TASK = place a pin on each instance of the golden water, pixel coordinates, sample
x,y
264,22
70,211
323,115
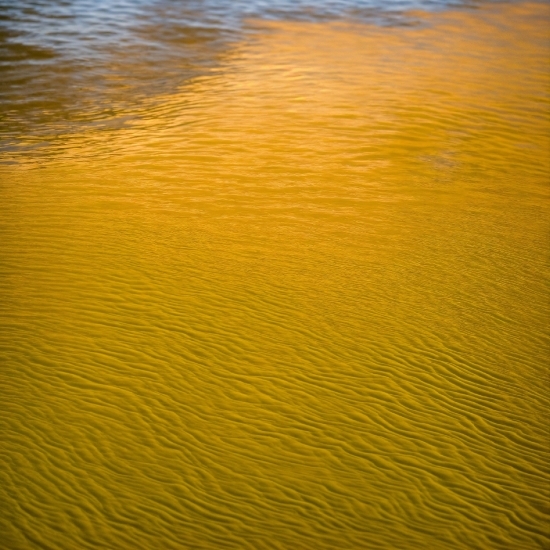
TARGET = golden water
x,y
300,303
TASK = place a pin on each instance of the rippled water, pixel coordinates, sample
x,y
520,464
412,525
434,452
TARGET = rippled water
x,y
70,62
274,277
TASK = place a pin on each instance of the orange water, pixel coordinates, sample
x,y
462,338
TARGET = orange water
x,y
299,303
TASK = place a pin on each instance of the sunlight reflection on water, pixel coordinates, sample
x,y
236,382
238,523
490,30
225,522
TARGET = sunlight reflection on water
x,y
275,284
65,64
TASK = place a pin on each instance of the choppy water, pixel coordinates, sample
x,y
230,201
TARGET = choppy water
x,y
273,277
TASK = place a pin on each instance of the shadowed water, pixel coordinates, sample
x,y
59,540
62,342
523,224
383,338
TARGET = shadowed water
x,y
294,297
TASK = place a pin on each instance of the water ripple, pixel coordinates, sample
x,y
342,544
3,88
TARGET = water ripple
x,y
300,301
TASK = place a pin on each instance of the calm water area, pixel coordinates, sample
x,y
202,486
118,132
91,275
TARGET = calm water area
x,y
274,275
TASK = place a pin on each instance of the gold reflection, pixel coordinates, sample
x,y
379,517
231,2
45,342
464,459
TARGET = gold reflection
x,y
448,85
299,303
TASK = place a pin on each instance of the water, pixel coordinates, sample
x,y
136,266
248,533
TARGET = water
x,y
274,276
67,63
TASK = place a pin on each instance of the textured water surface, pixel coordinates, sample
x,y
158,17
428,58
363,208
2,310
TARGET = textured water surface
x,y
73,62
298,301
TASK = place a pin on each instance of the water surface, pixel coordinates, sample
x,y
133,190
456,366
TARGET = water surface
x,y
297,299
